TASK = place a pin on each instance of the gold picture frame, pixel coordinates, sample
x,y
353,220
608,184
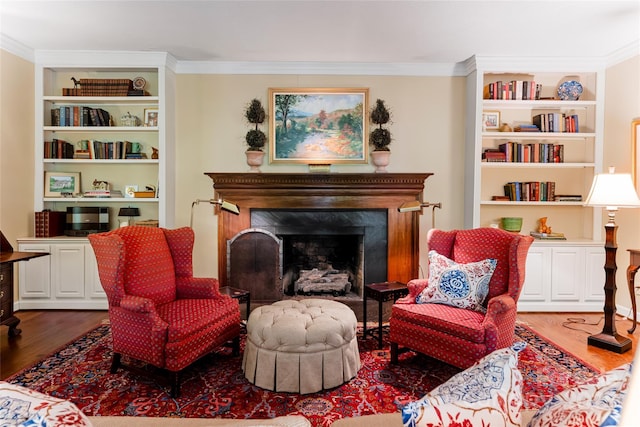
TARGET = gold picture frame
x,y
319,126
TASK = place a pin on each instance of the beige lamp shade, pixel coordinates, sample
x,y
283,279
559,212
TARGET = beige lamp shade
x,y
613,190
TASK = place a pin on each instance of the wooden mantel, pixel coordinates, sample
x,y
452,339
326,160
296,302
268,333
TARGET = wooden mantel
x,y
326,191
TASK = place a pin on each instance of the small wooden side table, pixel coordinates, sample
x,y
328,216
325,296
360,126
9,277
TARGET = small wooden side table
x,y
634,265
381,292
240,294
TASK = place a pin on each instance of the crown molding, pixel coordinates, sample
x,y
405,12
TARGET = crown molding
x,y
533,64
104,59
322,68
626,52
16,48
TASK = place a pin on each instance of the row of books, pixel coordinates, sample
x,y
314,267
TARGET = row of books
x,y
108,150
513,90
556,122
531,191
58,149
79,115
535,152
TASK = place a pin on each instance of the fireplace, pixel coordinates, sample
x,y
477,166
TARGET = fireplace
x,y
303,196
328,244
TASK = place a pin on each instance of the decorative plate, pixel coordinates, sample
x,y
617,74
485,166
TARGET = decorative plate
x,y
570,90
139,83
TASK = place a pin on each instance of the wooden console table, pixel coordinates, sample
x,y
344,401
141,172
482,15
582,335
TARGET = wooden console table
x,y
634,265
7,258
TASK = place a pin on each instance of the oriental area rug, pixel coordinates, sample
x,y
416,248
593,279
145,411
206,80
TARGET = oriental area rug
x,y
216,387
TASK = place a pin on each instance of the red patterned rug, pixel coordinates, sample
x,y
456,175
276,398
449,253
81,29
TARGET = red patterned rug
x,y
215,386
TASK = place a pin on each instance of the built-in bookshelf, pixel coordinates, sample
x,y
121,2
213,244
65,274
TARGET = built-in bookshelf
x,y
93,146
532,153
121,137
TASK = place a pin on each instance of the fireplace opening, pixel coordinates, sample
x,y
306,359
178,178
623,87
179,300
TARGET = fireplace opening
x,y
334,251
322,264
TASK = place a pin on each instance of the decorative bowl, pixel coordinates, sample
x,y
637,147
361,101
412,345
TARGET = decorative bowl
x,y
511,223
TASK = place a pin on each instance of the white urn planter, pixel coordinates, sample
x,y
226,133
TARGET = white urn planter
x,y
380,159
254,160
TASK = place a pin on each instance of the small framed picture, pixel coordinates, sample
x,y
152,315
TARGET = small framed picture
x,y
151,117
490,120
129,190
61,184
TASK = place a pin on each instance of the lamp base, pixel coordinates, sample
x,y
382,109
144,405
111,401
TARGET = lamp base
x,y
616,343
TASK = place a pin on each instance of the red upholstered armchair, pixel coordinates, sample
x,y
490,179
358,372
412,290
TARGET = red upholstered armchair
x,y
461,336
159,312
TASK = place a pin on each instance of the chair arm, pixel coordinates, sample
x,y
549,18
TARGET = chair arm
x,y
415,286
499,322
197,287
137,304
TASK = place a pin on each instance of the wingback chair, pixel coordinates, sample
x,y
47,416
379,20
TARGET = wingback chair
x,y
159,313
462,336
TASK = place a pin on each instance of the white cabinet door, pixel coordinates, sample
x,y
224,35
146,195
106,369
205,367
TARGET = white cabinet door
x,y
92,279
67,270
595,276
33,275
537,281
567,273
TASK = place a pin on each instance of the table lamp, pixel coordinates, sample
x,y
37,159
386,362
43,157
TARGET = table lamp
x,y
611,191
130,213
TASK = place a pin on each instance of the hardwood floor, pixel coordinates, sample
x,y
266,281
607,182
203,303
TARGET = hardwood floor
x,y
43,332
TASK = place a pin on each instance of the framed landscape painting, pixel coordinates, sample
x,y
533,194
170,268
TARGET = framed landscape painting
x,y
318,125
61,184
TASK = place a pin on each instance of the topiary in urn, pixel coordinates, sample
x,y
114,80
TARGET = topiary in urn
x,y
256,115
380,138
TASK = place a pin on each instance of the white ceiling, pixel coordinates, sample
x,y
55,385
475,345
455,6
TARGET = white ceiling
x,y
359,31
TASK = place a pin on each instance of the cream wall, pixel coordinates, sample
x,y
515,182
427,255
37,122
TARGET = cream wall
x,y
427,131
16,146
622,104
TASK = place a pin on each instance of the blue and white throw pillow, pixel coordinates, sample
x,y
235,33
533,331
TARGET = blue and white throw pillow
x,y
489,393
459,285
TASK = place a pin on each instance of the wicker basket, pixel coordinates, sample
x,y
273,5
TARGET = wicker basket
x,y
105,87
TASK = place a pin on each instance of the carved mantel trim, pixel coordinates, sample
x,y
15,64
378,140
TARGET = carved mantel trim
x,y
326,191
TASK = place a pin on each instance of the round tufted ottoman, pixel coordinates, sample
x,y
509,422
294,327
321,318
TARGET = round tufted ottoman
x,y
301,346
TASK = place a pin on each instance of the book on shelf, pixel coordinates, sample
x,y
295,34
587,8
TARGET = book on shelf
x,y
568,198
547,236
50,223
512,90
58,149
530,191
524,127
102,193
79,115
556,122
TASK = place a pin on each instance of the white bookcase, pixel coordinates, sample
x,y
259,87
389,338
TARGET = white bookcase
x,y
559,273
54,71
68,277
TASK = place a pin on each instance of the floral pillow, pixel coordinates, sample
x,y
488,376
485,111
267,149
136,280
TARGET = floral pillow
x,y
20,406
458,285
595,404
489,393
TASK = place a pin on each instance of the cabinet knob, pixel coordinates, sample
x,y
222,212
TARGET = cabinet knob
x,y
1,277
1,294
1,313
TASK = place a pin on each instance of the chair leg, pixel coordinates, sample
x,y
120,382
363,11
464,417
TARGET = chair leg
x,y
235,346
175,384
115,363
394,352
